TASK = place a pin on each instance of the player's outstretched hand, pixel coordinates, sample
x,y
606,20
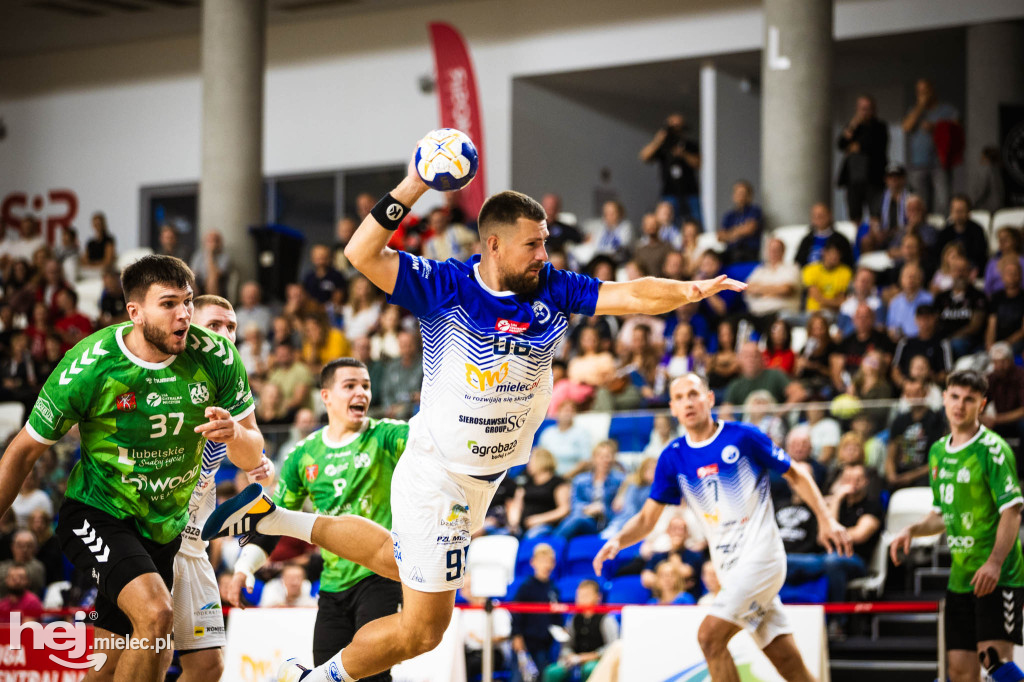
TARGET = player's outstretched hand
x,y
836,539
986,578
263,472
900,543
238,581
610,549
220,428
705,288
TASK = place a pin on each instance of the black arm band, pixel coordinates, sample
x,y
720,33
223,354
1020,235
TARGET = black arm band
x,y
389,212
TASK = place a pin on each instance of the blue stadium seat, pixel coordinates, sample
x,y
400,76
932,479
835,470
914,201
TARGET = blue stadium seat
x,y
540,429
627,590
567,587
810,592
631,431
514,587
621,559
740,271
579,555
314,588
526,551
257,592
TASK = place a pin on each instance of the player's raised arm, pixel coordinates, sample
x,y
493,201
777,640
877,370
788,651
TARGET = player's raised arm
x,y
368,249
656,295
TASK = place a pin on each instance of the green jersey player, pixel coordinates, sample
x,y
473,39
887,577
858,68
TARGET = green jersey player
x,y
977,502
344,468
146,395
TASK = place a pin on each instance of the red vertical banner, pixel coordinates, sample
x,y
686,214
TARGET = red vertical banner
x,y
459,103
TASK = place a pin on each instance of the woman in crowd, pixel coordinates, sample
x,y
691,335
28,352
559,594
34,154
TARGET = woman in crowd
x,y
384,342
812,366
592,494
672,579
362,310
635,490
870,383
943,278
1009,239
541,499
99,251
686,355
778,349
724,364
586,372
759,410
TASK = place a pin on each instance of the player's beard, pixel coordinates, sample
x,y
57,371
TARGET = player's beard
x,y
522,283
162,340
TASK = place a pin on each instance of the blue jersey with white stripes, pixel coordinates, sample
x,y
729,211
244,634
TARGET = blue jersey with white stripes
x,y
486,357
203,500
725,482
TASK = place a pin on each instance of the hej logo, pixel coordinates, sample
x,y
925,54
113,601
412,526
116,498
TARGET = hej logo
x,y
59,636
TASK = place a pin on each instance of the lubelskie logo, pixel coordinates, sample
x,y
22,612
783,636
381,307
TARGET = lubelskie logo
x,y
59,636
126,402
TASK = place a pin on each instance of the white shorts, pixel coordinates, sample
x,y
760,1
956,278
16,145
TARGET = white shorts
x,y
749,598
434,513
198,619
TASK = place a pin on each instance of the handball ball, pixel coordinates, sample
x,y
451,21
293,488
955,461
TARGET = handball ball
x,y
845,406
446,160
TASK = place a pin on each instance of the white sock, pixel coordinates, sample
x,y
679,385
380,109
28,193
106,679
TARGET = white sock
x,y
325,672
287,522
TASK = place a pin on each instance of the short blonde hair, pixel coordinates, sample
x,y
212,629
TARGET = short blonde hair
x,y
543,549
545,459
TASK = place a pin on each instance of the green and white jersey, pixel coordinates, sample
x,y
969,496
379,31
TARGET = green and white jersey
x,y
348,477
972,484
141,456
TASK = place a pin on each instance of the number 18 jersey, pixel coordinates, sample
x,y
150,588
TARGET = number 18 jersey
x,y
141,457
972,484
486,357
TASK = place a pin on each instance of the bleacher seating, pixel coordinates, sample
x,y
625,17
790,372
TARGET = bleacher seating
x,y
626,590
567,587
578,558
810,592
525,551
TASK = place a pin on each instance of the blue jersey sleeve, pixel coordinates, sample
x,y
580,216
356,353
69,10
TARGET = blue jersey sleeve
x,y
572,292
762,450
665,488
423,285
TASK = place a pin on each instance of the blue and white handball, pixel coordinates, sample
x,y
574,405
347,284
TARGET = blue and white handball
x,y
446,160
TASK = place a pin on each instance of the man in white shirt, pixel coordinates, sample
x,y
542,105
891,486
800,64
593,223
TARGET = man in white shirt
x,y
569,444
774,286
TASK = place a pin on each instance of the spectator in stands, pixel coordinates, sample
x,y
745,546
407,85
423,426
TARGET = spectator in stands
x,y
254,350
560,234
754,376
17,597
400,392
827,280
541,499
870,383
917,222
892,212
690,247
40,326
592,494
322,343
742,226
53,348
820,231
616,236
292,378
825,433
650,249
1006,310
712,586
27,240
773,288
672,580
384,340
270,406
68,253
450,239
921,370
864,338
929,163
71,324
1005,415
30,499
865,142
910,438
778,349
943,278
926,342
687,354
23,553
51,284
569,443
724,366
760,410
961,229
531,635
18,379
798,528
962,311
169,243
363,308
862,292
722,305
343,231
988,192
668,231
678,159
1009,251
911,250
813,365
112,305
40,522
99,251
901,319
474,625
322,278
289,590
590,635
590,369
664,432
632,494
860,512
251,309
212,265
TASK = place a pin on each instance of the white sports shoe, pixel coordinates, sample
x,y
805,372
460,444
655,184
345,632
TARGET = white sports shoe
x,y
291,671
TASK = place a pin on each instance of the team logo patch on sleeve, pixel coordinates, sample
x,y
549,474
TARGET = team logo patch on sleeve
x,y
126,402
311,472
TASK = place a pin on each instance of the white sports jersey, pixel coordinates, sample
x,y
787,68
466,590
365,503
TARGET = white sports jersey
x,y
203,500
486,357
725,481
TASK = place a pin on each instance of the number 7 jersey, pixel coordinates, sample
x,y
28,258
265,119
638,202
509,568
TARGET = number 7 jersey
x,y
141,456
972,485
